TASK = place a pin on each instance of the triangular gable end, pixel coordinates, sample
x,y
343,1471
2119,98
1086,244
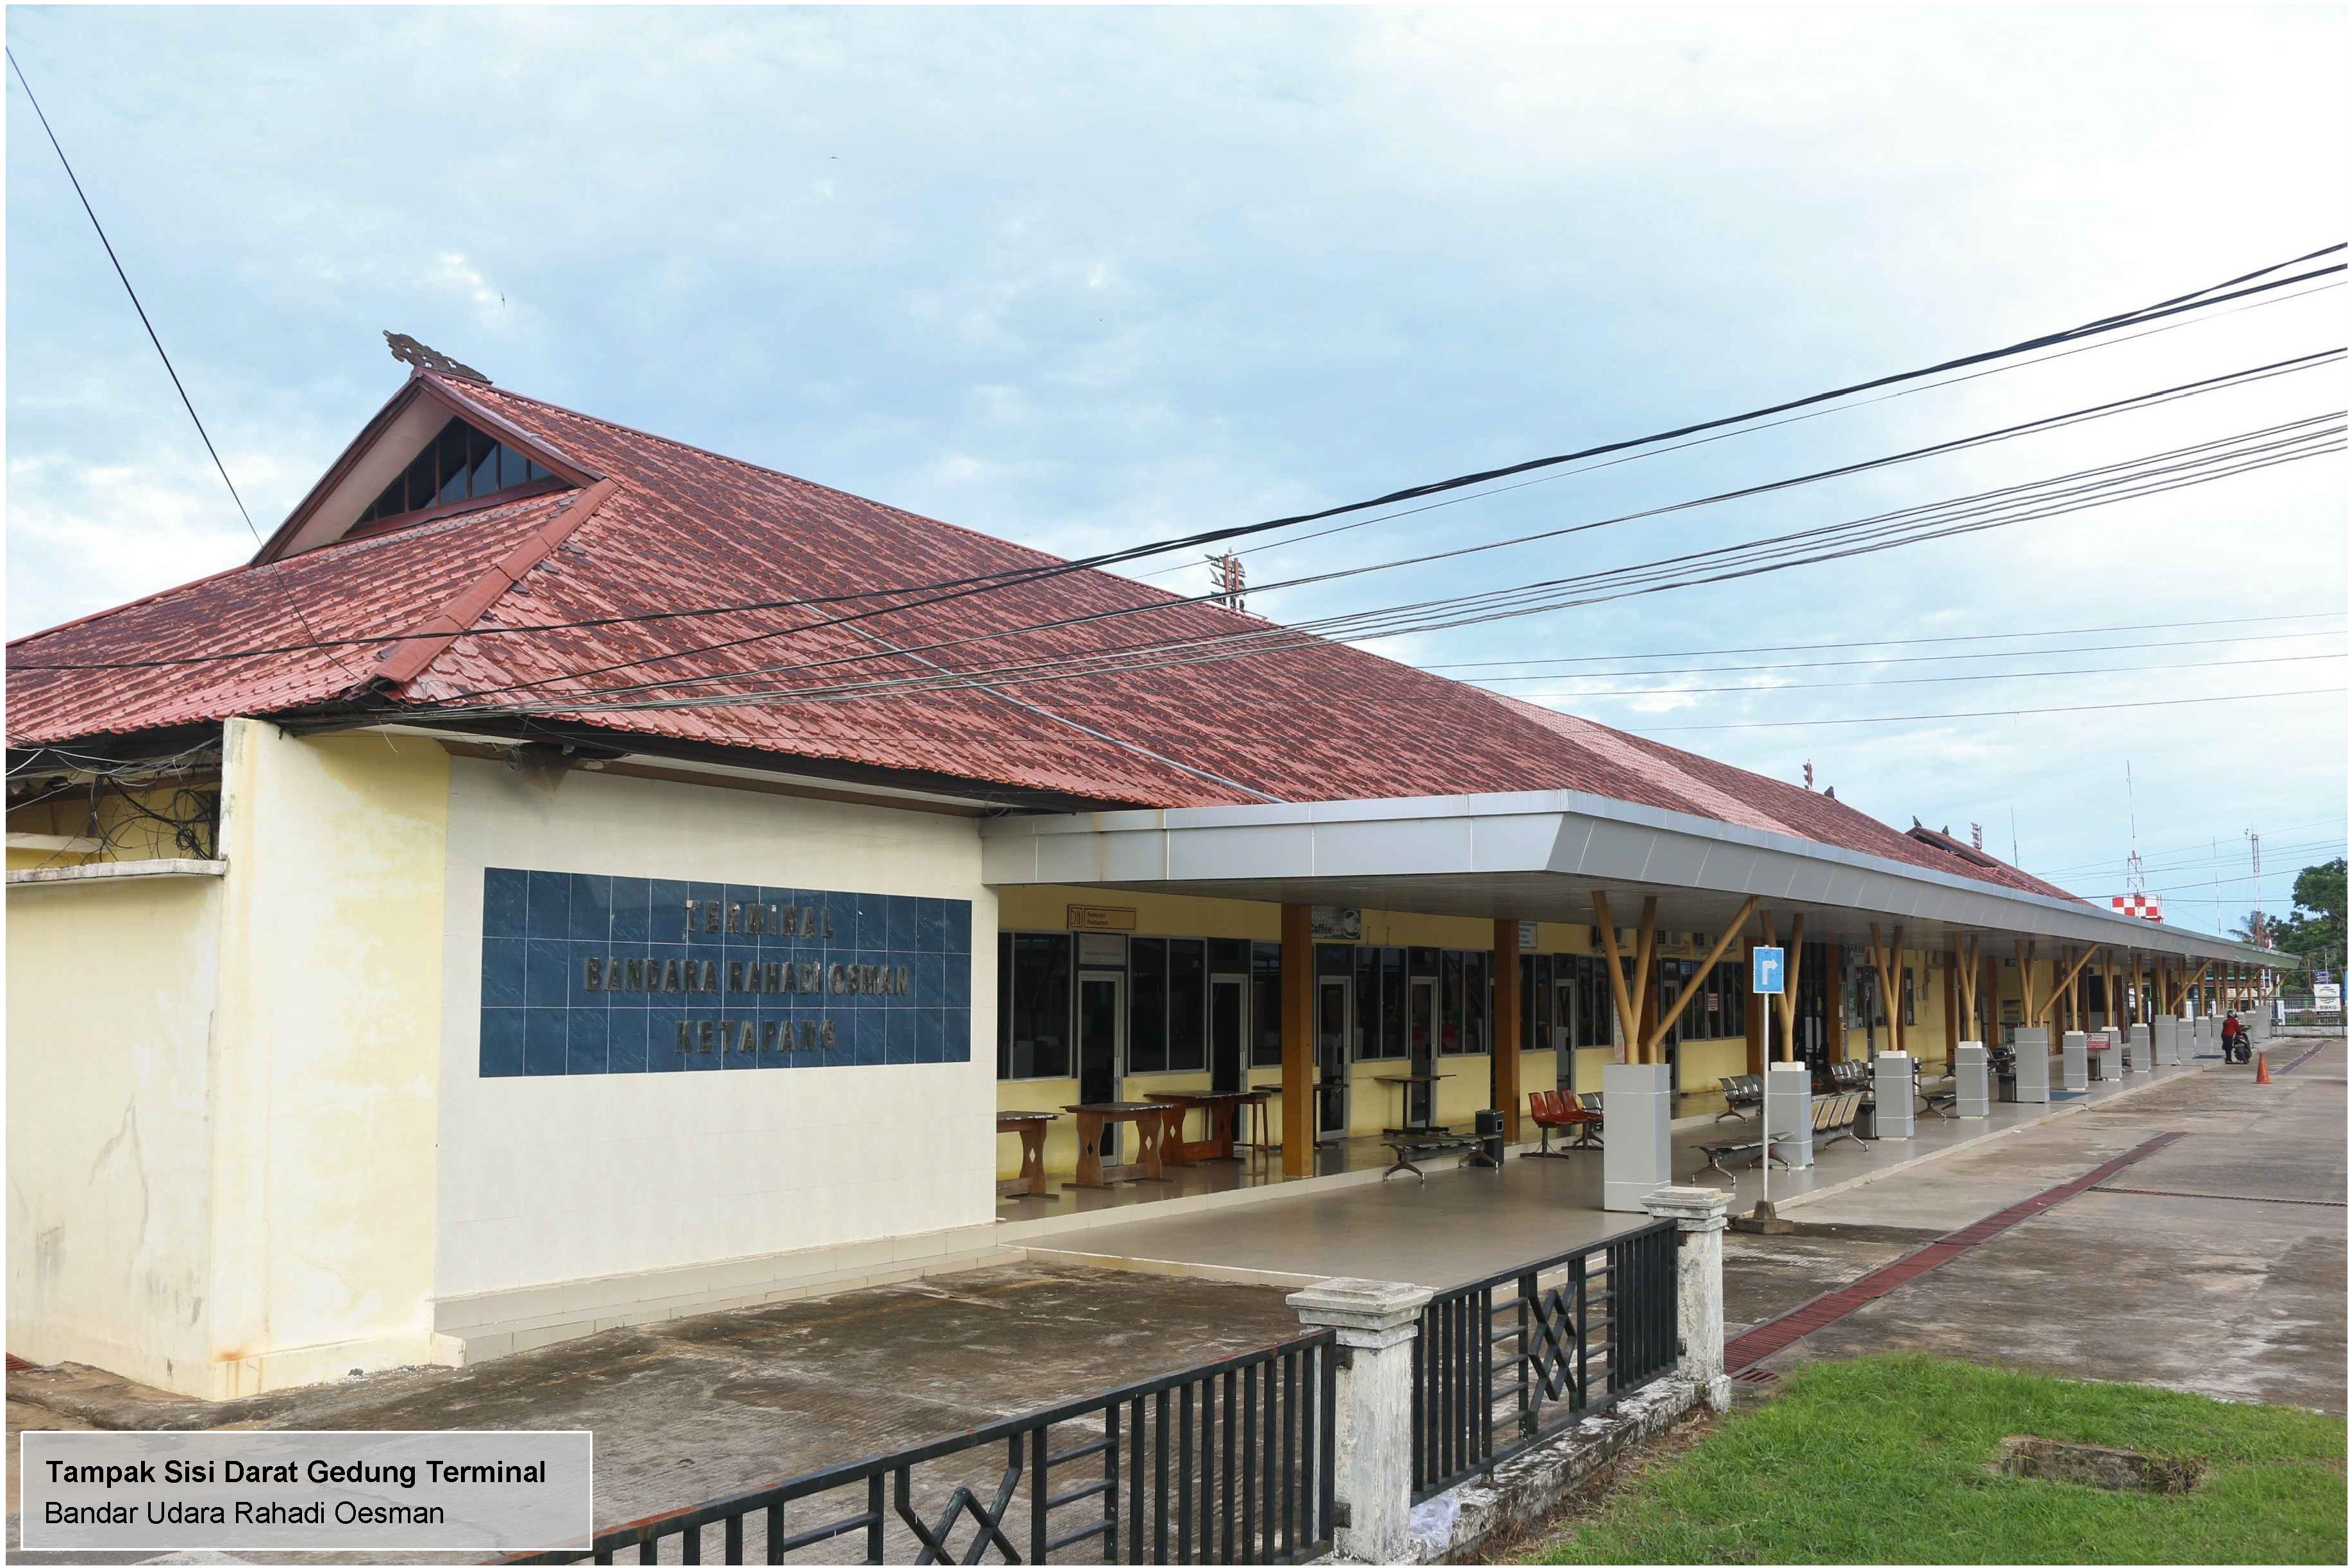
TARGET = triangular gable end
x,y
429,451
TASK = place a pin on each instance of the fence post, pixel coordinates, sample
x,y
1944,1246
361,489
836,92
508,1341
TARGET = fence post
x,y
1376,1321
1697,1213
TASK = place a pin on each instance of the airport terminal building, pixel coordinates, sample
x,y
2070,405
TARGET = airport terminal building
x,y
568,875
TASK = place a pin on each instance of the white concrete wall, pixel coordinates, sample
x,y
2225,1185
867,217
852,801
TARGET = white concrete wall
x,y
548,1179
111,989
326,1055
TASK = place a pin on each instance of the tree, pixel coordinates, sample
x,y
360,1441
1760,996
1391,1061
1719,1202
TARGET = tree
x,y
2315,931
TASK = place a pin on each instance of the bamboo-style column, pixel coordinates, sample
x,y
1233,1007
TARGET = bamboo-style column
x,y
1784,1005
1629,1017
1655,1044
2064,986
1884,960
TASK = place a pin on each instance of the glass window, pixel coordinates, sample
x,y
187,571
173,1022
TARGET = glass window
x,y
1364,1044
1187,1006
1535,1002
459,463
1449,1004
449,467
1227,956
1266,1003
1392,1041
1034,1006
1147,1004
1476,1000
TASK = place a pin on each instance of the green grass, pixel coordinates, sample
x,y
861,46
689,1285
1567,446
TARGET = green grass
x,y
1886,1460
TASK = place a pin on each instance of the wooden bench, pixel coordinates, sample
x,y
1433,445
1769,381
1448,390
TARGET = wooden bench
x,y
1405,1147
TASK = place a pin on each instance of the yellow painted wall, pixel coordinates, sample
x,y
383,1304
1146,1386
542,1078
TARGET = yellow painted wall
x,y
328,1055
1371,1105
111,989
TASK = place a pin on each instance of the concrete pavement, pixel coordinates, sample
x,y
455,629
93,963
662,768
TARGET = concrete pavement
x,y
2217,1264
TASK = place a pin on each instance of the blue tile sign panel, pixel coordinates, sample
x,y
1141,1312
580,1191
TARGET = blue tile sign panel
x,y
622,974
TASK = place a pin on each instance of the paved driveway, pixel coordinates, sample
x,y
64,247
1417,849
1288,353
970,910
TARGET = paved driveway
x,y
2217,1264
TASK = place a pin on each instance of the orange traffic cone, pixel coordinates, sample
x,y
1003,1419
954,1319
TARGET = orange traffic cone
x,y
2263,1068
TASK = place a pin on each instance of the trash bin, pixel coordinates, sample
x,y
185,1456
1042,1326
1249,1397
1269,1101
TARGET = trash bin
x,y
1490,1138
1865,1120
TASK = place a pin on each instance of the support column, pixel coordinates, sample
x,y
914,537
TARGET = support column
x,y
1297,1040
1377,1322
1504,1032
1892,1094
2033,1065
1971,1080
1697,1213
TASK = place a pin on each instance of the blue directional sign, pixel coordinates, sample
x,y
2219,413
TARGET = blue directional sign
x,y
1768,978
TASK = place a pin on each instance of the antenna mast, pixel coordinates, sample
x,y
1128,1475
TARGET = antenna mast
x,y
2255,847
1226,581
2135,876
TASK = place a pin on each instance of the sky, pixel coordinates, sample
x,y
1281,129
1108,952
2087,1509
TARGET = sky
x,y
1081,277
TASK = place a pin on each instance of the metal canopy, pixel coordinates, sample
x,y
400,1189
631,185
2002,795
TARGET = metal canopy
x,y
1539,856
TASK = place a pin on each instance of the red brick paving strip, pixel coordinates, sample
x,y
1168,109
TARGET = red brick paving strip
x,y
1778,1333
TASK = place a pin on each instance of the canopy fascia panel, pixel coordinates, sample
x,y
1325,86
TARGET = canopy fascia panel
x,y
1539,855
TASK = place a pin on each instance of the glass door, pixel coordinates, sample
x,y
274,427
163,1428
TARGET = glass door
x,y
1568,1024
1226,1017
1330,1059
1102,1016
1421,1036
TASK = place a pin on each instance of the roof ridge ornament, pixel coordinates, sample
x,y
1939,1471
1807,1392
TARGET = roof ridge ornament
x,y
409,351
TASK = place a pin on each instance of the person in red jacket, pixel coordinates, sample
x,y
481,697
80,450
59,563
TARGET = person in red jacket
x,y
2233,1039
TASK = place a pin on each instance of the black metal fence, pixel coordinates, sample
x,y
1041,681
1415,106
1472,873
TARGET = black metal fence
x,y
1505,1362
1230,1462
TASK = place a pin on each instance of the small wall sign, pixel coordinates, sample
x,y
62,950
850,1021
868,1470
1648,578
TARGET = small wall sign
x,y
1100,917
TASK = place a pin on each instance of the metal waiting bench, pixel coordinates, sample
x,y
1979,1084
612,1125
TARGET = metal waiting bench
x,y
1834,1118
1742,1093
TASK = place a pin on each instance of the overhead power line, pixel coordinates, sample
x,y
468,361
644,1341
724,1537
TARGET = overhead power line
x,y
1630,691
1900,641
2242,286
169,369
1152,606
1881,660
1988,713
1755,429
2157,472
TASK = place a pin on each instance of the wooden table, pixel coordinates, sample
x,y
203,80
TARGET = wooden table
x,y
1031,1125
1220,1105
1149,1120
1404,1083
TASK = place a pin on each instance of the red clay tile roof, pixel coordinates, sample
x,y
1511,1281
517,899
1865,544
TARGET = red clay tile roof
x,y
681,526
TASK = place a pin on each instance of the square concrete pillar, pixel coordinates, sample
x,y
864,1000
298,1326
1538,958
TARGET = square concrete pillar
x,y
2138,1049
1972,1080
2074,1060
2106,1064
1788,1111
1697,1213
1378,1321
2034,1066
1891,1097
2205,1041
2165,1034
1637,1114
